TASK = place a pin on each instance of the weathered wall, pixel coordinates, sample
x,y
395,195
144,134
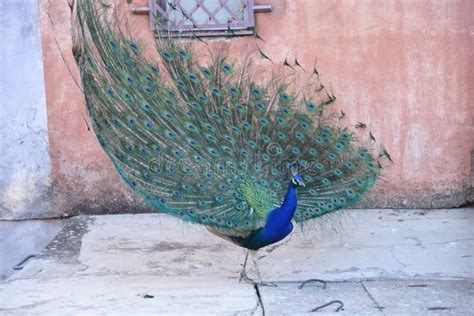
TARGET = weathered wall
x,y
404,67
25,163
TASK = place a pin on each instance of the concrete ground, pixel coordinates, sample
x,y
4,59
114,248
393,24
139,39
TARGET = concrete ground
x,y
374,262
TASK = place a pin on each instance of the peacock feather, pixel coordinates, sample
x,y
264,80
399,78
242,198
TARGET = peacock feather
x,y
214,143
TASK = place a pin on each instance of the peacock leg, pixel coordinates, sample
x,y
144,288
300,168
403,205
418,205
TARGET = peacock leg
x,y
257,269
243,273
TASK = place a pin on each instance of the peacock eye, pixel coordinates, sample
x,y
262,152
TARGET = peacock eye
x,y
294,181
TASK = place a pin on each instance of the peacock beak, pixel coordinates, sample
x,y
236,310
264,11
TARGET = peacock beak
x,y
302,184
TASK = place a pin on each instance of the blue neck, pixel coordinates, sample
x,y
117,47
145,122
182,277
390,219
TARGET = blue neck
x,y
281,217
278,224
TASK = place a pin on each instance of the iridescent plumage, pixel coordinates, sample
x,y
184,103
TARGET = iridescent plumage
x,y
209,142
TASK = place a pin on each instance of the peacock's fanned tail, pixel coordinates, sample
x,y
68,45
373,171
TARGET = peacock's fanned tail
x,y
213,144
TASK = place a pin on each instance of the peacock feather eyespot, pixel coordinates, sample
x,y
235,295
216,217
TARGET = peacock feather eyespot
x,y
147,106
339,146
321,204
191,142
349,165
247,126
133,183
170,134
193,78
191,127
276,184
280,120
281,135
213,152
275,172
245,153
235,130
148,124
259,106
196,106
177,153
252,144
241,108
210,138
226,111
257,168
227,68
266,139
210,127
256,92
295,150
168,102
131,121
311,106
226,149
285,97
319,140
186,187
208,175
134,46
167,56
177,194
234,91
229,223
183,54
312,192
150,79
304,125
229,138
219,198
143,151
243,165
182,84
312,151
266,157
307,178
338,172
326,181
332,156
203,99
299,136
285,110
206,72
200,186
154,69
216,92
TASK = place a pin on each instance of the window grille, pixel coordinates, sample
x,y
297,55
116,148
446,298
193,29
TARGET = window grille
x,y
204,17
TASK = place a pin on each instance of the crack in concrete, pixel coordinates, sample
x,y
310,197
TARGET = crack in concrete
x,y
396,258
377,305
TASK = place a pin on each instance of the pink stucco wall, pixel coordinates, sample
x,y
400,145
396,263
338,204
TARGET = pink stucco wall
x,y
404,67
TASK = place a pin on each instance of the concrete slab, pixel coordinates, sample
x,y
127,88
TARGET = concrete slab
x,y
19,239
399,297
289,299
106,264
365,244
127,295
446,297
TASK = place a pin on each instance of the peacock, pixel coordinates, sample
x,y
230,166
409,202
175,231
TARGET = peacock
x,y
245,150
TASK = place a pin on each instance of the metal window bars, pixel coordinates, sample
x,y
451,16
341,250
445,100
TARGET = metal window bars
x,y
203,17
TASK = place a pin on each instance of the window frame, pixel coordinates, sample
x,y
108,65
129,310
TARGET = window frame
x,y
245,27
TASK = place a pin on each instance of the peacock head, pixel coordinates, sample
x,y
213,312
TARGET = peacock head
x,y
297,181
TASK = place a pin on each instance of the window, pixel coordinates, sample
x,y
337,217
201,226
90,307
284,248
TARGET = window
x,y
205,17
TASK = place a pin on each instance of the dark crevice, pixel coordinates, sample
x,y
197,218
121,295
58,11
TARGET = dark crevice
x,y
260,300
